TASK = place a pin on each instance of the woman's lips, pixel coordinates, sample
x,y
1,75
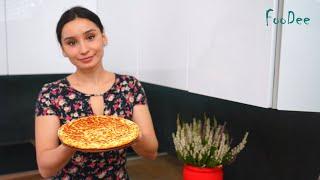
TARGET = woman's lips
x,y
86,59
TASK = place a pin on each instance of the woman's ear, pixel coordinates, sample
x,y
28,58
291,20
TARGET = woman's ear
x,y
105,39
63,52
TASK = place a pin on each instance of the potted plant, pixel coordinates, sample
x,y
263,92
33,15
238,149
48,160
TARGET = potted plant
x,y
204,147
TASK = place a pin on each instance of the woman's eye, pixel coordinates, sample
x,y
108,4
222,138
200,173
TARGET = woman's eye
x,y
71,43
91,37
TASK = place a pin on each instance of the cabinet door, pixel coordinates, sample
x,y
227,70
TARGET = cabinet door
x,y
3,48
119,19
32,44
231,50
299,77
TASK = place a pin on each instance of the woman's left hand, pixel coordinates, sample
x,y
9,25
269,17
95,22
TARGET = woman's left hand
x,y
146,144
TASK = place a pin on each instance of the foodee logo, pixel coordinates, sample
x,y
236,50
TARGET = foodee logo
x,y
291,18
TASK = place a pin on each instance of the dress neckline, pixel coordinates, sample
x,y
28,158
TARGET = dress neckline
x,y
89,95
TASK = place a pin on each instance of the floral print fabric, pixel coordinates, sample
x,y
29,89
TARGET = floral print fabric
x,y
60,99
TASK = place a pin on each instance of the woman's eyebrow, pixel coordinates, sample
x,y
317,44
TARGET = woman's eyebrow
x,y
71,37
90,30
67,38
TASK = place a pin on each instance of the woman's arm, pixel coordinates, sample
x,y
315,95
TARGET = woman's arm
x,y
51,157
147,143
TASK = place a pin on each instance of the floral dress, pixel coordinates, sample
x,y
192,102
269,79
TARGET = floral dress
x,y
60,99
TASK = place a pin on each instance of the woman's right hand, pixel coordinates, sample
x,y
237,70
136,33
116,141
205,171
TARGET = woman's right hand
x,y
51,156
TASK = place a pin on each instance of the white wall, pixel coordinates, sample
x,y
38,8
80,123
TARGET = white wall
x,y
3,48
216,48
231,50
32,45
119,20
147,39
299,82
164,49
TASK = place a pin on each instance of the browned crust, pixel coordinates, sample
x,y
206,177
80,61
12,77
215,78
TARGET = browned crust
x,y
98,133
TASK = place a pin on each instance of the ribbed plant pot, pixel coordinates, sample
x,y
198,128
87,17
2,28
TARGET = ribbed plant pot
x,y
199,173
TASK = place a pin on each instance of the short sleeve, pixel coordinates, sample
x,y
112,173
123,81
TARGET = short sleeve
x,y
44,103
139,93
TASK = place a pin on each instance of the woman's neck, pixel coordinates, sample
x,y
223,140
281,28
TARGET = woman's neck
x,y
92,76
92,82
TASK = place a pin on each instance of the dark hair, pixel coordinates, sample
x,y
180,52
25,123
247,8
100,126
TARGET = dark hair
x,y
77,12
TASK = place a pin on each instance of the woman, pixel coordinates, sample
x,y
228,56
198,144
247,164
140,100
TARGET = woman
x,y
91,90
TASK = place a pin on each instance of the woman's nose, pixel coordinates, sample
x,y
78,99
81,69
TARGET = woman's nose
x,y
83,48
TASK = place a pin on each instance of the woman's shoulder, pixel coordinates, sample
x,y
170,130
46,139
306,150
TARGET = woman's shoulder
x,y
124,78
58,84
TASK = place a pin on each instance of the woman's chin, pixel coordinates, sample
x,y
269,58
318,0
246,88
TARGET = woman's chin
x,y
89,66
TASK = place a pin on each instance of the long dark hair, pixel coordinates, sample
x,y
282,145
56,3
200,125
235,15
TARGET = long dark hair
x,y
77,12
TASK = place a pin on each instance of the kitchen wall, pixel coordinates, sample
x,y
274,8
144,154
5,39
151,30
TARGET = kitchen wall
x,y
281,144
250,52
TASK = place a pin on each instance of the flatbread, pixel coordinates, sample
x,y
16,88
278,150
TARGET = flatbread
x,y
98,133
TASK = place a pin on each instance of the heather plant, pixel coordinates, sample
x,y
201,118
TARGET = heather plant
x,y
205,143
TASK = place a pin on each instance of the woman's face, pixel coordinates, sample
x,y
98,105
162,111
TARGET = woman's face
x,y
83,42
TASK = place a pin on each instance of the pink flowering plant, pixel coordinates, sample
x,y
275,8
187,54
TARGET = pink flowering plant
x,y
205,143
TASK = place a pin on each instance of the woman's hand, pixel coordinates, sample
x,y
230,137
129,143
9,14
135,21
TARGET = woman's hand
x,y
146,144
51,157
